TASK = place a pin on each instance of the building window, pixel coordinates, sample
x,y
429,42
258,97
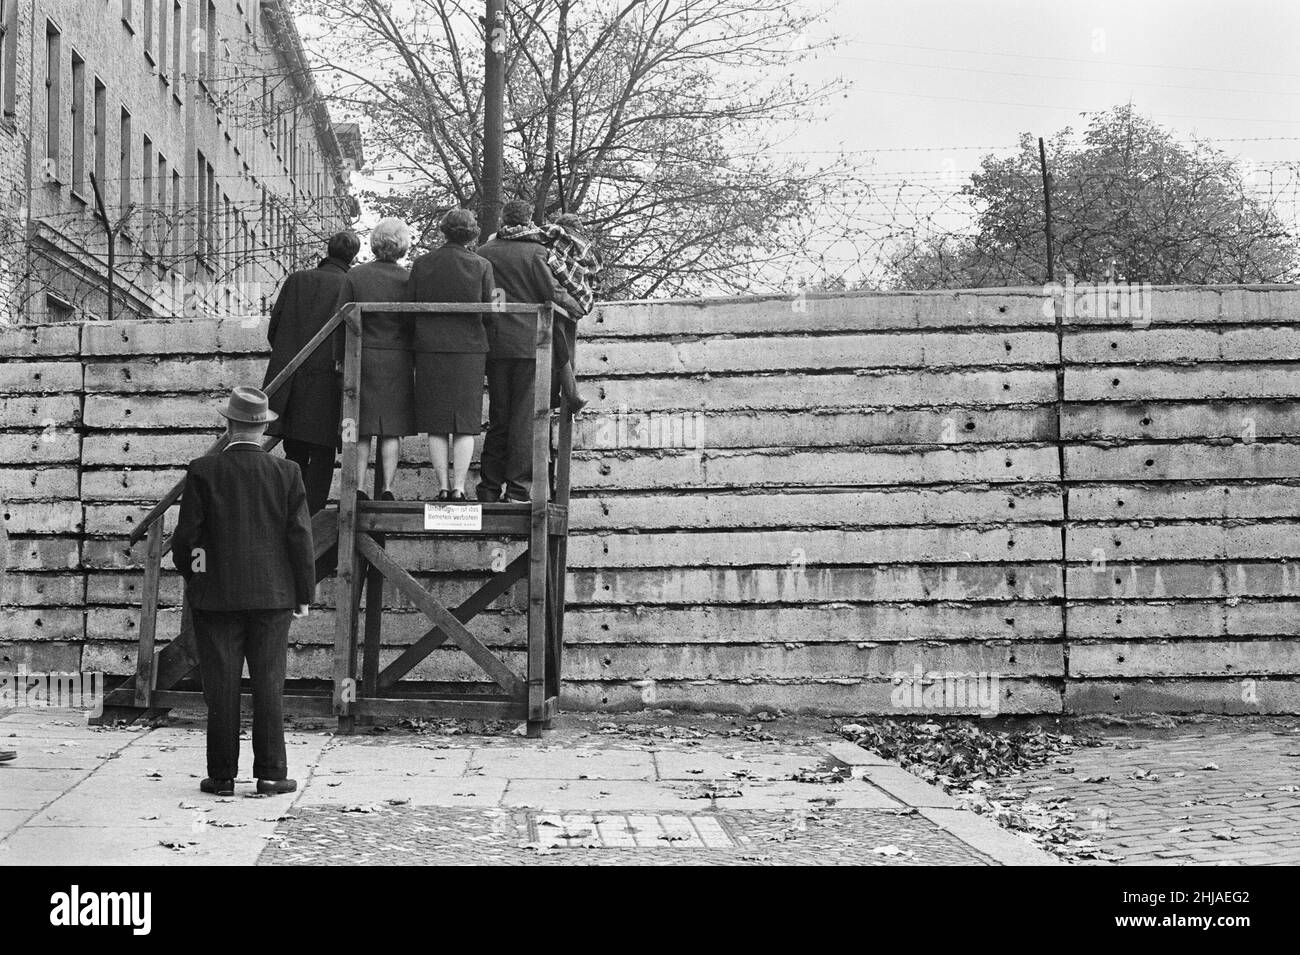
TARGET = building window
x,y
53,96
78,123
100,132
162,216
126,14
8,56
125,153
163,7
178,47
146,188
147,25
59,309
176,214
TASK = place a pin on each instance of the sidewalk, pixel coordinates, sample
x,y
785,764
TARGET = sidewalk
x,y
599,790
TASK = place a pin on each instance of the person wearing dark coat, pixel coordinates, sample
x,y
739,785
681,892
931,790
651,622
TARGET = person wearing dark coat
x,y
243,545
387,384
518,255
308,403
451,351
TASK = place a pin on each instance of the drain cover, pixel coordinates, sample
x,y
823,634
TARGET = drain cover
x,y
627,831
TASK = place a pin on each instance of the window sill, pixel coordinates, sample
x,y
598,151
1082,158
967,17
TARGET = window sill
x,y
130,27
148,55
76,194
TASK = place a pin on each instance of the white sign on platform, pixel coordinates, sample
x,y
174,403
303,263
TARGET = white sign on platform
x,y
453,517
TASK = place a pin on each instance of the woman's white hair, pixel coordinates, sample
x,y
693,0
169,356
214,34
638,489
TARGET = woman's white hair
x,y
390,239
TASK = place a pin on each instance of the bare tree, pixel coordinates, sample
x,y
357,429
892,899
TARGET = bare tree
x,y
661,113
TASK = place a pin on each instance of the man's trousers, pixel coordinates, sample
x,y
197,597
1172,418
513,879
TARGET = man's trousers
x,y
316,461
507,457
225,640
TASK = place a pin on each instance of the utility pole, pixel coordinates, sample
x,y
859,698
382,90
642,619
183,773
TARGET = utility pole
x,y
1047,205
494,91
111,229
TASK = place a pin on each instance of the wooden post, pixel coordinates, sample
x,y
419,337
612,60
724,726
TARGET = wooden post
x,y
374,601
563,453
540,525
345,609
144,661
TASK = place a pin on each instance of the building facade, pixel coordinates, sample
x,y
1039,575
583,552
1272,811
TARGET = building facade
x,y
184,140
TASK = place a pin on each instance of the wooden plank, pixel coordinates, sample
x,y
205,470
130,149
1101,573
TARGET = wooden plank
x,y
153,556
471,607
439,614
345,621
540,527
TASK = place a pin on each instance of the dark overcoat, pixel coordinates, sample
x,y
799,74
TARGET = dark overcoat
x,y
451,273
519,269
243,538
387,382
308,403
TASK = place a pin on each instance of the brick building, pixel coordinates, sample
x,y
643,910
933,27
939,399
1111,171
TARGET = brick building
x,y
218,167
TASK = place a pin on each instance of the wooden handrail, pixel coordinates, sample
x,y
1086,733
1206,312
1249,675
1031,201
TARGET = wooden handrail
x,y
326,330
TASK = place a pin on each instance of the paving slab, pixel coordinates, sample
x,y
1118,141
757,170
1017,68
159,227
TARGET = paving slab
x,y
564,763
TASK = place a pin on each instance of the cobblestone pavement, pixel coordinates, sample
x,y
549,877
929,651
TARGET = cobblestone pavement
x,y
1209,791
650,789
426,835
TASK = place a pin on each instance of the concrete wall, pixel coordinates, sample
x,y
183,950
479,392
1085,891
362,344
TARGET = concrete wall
x,y
782,503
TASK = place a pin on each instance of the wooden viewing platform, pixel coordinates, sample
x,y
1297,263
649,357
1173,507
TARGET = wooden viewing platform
x,y
350,545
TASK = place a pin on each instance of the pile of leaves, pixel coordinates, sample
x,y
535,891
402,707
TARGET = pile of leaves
x,y
976,763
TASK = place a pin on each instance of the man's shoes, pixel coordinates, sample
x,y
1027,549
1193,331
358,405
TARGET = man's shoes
x,y
276,787
387,496
487,495
218,787
7,755
508,499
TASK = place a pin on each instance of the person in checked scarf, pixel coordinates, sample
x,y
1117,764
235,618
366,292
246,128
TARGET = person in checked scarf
x,y
575,263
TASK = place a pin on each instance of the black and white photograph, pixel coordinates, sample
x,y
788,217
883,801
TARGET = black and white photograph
x,y
646,433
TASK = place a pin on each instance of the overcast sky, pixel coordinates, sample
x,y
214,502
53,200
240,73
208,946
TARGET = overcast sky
x,y
978,72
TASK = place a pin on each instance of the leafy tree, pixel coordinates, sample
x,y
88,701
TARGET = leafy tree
x,y
1129,201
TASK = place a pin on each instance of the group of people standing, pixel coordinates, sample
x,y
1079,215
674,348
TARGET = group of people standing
x,y
424,374
243,539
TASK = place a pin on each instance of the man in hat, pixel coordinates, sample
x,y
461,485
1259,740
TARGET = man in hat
x,y
243,544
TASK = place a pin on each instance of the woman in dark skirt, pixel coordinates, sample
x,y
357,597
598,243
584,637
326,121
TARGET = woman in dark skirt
x,y
386,379
451,351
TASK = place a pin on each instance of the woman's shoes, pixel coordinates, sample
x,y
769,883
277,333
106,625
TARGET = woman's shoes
x,y
458,497
443,497
388,496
